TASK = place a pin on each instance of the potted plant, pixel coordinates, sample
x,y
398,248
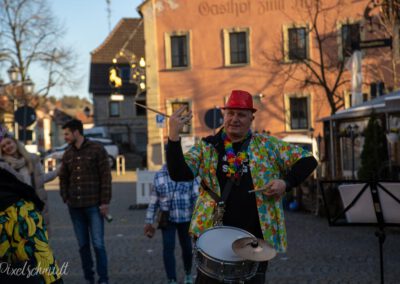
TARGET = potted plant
x,y
374,155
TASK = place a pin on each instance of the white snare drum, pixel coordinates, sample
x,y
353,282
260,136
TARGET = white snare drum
x,y
215,257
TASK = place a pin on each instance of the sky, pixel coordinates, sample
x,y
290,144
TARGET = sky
x,y
86,23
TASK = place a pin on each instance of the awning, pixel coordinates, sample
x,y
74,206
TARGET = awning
x,y
383,104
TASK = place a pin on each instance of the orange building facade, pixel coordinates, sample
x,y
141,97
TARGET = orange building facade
x,y
198,51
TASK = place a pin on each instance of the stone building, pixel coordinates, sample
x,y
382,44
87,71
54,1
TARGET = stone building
x,y
114,106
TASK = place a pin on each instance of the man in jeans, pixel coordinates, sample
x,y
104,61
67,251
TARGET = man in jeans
x,y
85,186
178,199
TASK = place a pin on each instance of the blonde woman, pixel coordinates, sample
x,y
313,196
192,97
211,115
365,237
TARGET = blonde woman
x,y
28,167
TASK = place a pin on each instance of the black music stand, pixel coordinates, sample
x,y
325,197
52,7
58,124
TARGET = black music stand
x,y
378,207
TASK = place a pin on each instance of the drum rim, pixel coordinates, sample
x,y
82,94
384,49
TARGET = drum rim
x,y
229,227
197,248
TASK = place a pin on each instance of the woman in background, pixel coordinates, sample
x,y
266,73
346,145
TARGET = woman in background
x,y
27,166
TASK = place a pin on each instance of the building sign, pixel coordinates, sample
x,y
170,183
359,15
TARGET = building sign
x,y
247,7
160,121
25,116
385,42
117,97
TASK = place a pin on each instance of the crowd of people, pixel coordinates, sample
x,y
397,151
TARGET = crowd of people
x,y
235,178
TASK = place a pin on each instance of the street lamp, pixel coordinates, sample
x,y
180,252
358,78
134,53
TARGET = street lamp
x,y
16,90
352,132
139,73
28,86
13,73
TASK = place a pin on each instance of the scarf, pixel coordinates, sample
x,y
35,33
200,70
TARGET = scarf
x,y
20,165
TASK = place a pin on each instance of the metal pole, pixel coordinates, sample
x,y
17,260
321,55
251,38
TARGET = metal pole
x,y
214,119
332,149
162,146
16,134
24,124
352,152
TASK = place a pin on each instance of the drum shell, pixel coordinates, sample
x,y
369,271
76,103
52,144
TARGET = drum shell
x,y
226,270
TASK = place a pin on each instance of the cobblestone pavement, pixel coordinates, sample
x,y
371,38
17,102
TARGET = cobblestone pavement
x,y
317,253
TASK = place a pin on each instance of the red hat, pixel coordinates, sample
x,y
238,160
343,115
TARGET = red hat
x,y
240,100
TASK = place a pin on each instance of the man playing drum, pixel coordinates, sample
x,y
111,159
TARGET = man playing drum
x,y
238,160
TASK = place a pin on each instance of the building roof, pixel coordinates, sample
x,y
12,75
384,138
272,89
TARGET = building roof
x,y
382,104
127,35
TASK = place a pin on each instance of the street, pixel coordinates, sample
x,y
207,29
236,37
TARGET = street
x,y
316,253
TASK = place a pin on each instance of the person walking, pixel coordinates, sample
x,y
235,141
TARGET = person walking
x,y
236,160
85,186
175,201
29,167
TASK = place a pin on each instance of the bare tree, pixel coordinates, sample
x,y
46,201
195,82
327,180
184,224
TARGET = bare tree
x,y
324,70
31,36
386,14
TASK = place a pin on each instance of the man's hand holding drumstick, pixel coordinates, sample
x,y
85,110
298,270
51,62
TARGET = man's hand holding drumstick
x,y
176,122
275,188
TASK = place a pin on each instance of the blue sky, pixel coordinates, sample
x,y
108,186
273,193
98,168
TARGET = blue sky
x,y
87,26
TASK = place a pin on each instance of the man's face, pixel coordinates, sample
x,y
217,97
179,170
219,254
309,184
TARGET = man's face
x,y
69,136
237,122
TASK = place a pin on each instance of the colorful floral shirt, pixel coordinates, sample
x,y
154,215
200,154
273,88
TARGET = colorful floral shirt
x,y
270,158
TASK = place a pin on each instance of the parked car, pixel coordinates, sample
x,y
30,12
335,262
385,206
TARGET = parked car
x,y
110,147
97,132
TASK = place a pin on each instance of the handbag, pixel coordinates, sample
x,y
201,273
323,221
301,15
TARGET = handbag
x,y
163,219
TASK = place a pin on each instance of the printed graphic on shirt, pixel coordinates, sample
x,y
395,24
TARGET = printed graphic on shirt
x,y
225,165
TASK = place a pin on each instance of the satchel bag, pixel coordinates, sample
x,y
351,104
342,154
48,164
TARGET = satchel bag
x,y
163,219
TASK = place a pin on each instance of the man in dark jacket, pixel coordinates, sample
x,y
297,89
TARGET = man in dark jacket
x,y
85,186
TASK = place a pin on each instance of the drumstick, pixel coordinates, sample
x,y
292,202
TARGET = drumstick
x,y
260,189
156,111
152,109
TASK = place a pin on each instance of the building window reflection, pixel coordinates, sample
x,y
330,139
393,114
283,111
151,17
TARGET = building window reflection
x,y
350,37
238,47
297,43
299,113
179,51
114,109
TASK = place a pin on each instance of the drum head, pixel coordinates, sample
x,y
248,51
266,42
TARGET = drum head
x,y
217,242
